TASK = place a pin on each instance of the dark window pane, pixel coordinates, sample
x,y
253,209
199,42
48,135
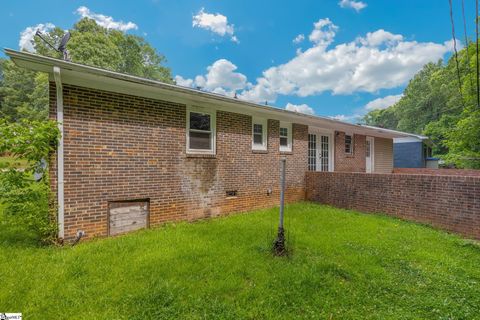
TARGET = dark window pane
x,y
284,141
199,121
257,128
312,152
348,144
200,141
257,139
283,132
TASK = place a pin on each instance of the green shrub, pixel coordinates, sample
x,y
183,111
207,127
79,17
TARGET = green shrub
x,y
26,201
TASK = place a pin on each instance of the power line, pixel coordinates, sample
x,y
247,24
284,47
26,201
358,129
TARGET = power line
x,y
476,38
455,49
469,71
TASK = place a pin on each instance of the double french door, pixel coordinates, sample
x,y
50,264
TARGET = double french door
x,y
320,152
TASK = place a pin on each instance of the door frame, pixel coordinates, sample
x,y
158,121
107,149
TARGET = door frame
x,y
331,145
372,154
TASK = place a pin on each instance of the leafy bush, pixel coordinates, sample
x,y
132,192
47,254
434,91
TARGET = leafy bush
x,y
26,201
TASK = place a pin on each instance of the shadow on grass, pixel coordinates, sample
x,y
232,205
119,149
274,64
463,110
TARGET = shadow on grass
x,y
15,236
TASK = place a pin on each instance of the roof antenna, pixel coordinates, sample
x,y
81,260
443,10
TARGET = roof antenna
x,y
62,47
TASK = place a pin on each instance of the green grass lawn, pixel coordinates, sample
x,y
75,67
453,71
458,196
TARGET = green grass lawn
x,y
344,265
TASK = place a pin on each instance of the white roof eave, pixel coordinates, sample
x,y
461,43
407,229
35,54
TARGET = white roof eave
x,y
45,64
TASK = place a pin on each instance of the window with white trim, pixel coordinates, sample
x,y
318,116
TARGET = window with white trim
x,y
285,137
348,144
200,131
324,153
312,152
259,134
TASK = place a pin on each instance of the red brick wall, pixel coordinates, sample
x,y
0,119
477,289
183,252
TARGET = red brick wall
x,y
354,162
438,172
121,147
448,202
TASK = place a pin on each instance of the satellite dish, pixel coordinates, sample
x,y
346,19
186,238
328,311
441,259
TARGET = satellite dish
x,y
62,47
40,170
63,43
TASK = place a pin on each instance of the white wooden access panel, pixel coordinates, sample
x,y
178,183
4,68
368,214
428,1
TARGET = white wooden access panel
x,y
320,150
126,216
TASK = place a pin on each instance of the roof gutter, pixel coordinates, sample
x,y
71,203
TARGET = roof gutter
x,y
44,64
60,154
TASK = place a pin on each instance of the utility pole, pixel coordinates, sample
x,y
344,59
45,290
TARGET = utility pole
x,y
279,244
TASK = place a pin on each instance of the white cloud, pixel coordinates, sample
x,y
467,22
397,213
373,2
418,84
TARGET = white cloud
x,y
26,36
348,118
382,103
299,38
356,5
323,33
222,74
302,108
259,93
376,104
379,60
380,37
220,78
215,22
179,80
106,21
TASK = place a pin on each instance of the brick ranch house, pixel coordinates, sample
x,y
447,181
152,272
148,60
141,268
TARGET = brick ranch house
x,y
136,152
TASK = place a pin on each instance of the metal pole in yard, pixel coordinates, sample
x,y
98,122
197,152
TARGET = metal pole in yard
x,y
279,244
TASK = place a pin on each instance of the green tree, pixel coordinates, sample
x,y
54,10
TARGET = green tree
x,y
463,140
383,118
423,100
434,104
24,94
24,201
114,50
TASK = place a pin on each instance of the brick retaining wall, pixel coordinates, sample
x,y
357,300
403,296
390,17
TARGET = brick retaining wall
x,y
438,172
448,202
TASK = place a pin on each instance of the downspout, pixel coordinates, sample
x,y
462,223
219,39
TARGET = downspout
x,y
60,168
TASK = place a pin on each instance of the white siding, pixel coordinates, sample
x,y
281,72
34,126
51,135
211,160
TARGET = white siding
x,y
383,150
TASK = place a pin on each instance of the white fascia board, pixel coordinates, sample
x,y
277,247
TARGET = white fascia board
x,y
400,133
407,140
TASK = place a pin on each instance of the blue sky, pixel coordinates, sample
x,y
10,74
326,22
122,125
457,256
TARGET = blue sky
x,y
353,56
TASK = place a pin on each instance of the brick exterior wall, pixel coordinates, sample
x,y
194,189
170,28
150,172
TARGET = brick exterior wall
x,y
448,202
354,162
439,172
121,147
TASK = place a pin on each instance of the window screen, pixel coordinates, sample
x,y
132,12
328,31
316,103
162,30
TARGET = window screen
x,y
200,131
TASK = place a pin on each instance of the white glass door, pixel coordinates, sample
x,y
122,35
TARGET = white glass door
x,y
319,152
324,153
